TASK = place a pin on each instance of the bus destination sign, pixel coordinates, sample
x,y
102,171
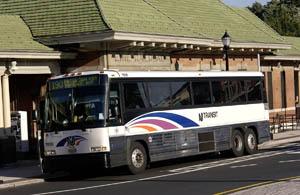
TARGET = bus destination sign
x,y
74,82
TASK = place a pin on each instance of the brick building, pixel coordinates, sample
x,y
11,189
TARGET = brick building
x,y
281,70
282,78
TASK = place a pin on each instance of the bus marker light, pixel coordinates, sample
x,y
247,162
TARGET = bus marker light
x,y
99,149
50,152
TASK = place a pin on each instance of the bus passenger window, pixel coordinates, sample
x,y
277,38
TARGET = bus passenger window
x,y
237,91
254,90
181,95
159,94
135,95
201,92
220,92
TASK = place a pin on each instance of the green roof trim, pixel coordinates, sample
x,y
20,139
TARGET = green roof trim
x,y
16,36
56,17
295,51
203,19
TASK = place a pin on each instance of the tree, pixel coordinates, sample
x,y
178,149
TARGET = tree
x,y
281,15
257,9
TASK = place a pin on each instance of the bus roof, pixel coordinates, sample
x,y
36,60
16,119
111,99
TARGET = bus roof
x,y
164,74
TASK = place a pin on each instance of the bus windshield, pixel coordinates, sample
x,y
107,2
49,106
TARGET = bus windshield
x,y
78,107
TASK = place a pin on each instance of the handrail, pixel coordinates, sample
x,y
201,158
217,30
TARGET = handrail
x,y
283,122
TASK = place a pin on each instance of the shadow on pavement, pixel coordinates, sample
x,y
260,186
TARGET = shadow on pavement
x,y
89,174
100,174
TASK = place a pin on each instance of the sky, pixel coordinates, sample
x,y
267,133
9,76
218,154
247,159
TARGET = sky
x,y
243,3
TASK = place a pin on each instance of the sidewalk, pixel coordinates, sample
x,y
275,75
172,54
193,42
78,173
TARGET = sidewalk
x,y
20,173
279,188
282,138
29,172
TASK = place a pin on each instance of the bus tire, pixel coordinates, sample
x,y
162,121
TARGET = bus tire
x,y
45,166
250,142
237,142
46,170
137,158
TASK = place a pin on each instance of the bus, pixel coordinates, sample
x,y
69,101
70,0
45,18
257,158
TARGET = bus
x,y
115,118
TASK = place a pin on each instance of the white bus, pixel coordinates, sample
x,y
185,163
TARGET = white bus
x,y
113,118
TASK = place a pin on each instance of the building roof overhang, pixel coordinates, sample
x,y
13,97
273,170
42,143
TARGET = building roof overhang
x,y
36,55
281,58
150,40
32,70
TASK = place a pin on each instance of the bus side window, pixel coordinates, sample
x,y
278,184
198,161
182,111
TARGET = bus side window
x,y
237,91
220,94
135,95
201,92
254,90
159,94
114,112
181,94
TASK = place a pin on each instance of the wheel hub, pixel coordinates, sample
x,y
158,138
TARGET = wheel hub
x,y
238,143
251,141
137,158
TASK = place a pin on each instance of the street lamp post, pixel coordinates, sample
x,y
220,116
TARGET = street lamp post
x,y
226,44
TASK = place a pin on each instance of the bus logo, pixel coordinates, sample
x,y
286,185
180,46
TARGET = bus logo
x,y
71,141
204,115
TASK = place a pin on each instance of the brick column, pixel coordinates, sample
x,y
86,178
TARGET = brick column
x,y
290,87
298,89
1,107
266,84
6,101
276,82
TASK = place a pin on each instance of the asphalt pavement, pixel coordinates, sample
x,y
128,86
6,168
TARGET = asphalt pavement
x,y
276,166
204,174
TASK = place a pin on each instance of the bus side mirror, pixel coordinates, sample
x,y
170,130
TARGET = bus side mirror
x,y
114,108
40,115
35,116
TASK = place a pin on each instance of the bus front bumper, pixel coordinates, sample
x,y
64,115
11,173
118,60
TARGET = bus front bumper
x,y
75,162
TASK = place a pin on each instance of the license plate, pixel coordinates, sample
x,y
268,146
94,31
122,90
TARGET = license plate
x,y
72,150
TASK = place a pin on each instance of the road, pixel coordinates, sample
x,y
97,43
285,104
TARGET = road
x,y
205,174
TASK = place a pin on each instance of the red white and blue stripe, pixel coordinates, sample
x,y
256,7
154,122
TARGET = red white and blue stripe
x,y
162,121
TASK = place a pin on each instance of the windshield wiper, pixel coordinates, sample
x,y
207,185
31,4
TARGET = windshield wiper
x,y
55,126
82,126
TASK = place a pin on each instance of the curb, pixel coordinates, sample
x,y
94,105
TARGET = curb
x,y
20,183
278,142
256,188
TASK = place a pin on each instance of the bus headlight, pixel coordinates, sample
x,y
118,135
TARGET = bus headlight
x,y
99,149
50,153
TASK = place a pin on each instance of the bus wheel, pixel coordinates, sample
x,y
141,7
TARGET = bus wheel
x,y
250,142
47,170
237,141
45,166
137,158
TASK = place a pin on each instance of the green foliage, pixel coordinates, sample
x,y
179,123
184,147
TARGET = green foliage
x,y
281,15
257,9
